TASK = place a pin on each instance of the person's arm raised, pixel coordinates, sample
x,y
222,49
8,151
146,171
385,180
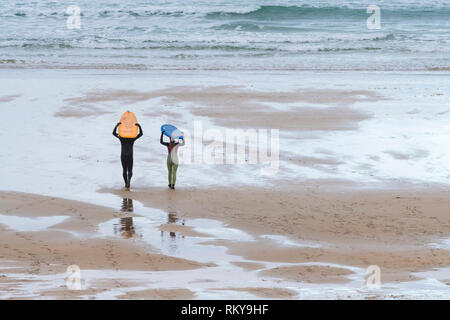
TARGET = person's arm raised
x,y
161,140
141,133
115,134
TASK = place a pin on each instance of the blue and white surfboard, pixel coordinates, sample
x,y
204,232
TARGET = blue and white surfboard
x,y
171,131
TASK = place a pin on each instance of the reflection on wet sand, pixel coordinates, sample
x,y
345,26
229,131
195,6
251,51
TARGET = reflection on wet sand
x,y
147,227
125,227
127,205
172,242
170,234
172,218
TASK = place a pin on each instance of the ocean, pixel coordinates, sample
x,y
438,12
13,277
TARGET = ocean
x,y
226,34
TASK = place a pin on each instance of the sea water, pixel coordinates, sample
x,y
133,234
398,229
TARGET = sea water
x,y
226,34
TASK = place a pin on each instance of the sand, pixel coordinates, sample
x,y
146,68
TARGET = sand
x,y
406,217
159,294
359,185
9,98
74,241
391,229
318,274
266,293
232,106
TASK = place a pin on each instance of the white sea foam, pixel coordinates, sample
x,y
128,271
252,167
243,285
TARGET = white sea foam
x,y
228,34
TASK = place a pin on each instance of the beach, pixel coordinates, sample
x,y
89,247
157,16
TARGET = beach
x,y
314,165
361,180
317,250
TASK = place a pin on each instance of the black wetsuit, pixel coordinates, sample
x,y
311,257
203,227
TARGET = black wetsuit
x,y
127,154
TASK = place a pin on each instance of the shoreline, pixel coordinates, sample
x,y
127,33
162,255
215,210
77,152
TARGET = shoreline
x,y
139,68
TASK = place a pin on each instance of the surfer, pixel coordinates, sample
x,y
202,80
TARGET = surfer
x,y
127,153
172,158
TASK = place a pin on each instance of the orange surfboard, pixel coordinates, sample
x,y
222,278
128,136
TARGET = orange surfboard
x,y
127,127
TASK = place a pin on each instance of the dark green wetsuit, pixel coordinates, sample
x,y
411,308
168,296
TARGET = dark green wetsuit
x,y
172,158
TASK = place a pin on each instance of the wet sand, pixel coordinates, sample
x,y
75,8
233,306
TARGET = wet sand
x,y
72,242
392,229
388,228
319,211
236,107
363,180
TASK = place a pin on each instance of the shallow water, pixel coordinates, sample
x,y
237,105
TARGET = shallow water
x,y
441,244
146,227
286,242
206,283
406,123
415,125
25,224
221,287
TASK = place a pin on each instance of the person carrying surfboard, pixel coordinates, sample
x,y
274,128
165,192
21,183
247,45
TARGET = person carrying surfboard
x,y
127,153
172,157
